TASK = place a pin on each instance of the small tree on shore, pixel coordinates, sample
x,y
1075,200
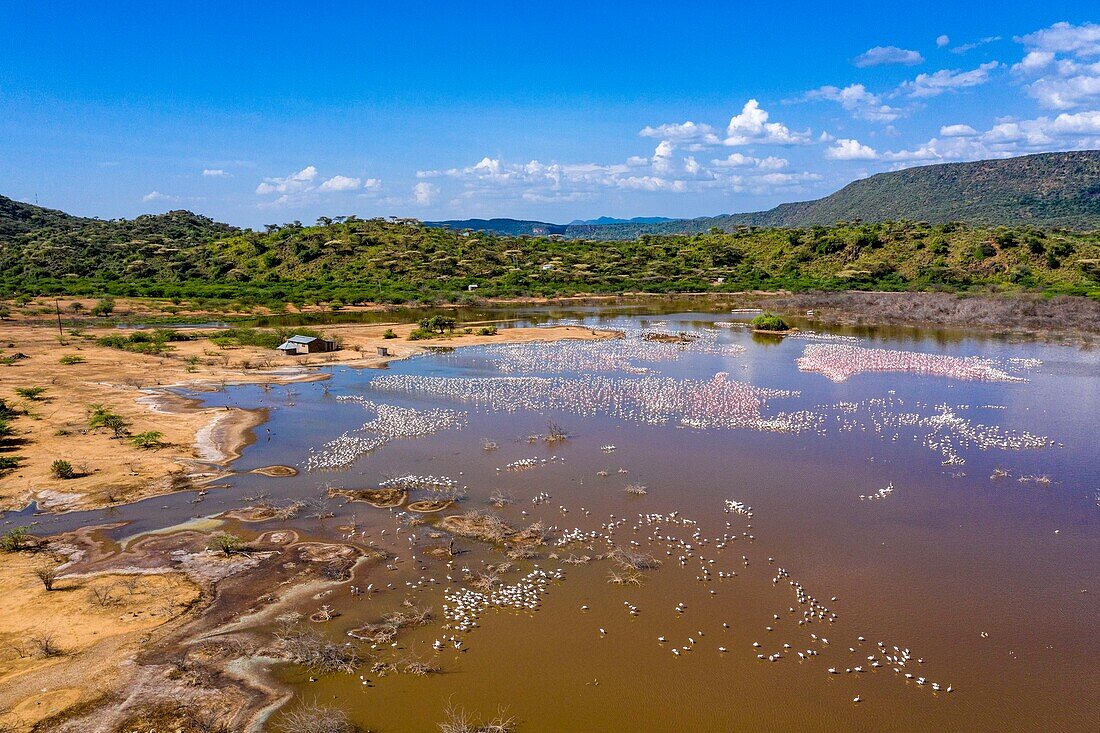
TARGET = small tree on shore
x,y
225,542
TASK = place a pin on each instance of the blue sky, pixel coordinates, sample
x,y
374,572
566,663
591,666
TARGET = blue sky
x,y
258,113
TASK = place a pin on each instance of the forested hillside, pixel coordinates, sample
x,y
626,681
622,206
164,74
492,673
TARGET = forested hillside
x,y
349,260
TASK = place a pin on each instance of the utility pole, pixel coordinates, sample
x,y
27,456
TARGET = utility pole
x,y
57,310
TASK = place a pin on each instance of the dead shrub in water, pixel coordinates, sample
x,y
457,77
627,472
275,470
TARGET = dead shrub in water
x,y
457,720
315,652
555,433
386,630
624,577
418,667
636,490
501,499
315,718
632,559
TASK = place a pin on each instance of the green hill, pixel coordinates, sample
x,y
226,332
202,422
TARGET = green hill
x,y
1045,190
183,255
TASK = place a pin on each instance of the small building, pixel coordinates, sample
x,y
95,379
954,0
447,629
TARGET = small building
x,y
383,350
296,345
471,288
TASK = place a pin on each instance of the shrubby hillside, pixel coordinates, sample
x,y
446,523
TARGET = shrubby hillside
x,y
180,254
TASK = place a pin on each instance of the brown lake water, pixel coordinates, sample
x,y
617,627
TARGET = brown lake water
x,y
990,581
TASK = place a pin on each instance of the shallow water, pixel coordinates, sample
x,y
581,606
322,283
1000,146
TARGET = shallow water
x,y
993,583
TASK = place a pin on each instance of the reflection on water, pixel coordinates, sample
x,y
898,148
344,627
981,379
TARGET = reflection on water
x,y
902,534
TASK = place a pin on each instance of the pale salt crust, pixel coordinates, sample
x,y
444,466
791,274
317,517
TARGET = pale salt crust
x,y
838,363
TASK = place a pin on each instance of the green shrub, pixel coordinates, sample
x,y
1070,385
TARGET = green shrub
x,y
71,359
104,307
487,331
15,539
983,250
8,463
149,439
419,334
769,322
103,417
389,334
62,469
30,393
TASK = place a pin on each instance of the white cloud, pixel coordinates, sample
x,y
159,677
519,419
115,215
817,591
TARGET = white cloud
x,y
294,183
957,131
1061,62
739,160
942,41
1067,131
1034,61
424,193
856,99
662,156
684,132
341,183
945,80
881,55
965,47
158,196
214,173
848,149
665,171
751,126
1082,41
302,187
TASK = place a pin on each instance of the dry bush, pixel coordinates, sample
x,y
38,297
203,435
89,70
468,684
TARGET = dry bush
x,y
45,645
555,433
315,652
457,720
386,630
636,490
629,559
419,667
48,575
501,499
103,595
627,576
315,718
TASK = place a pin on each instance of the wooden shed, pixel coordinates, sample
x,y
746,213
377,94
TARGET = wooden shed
x,y
296,345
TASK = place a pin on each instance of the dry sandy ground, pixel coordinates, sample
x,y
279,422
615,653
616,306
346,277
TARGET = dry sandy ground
x,y
63,647
200,442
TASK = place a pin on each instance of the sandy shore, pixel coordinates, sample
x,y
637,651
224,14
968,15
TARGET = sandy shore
x,y
198,443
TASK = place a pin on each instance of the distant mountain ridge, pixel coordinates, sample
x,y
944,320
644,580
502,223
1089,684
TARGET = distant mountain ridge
x,y
1045,190
507,227
613,220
